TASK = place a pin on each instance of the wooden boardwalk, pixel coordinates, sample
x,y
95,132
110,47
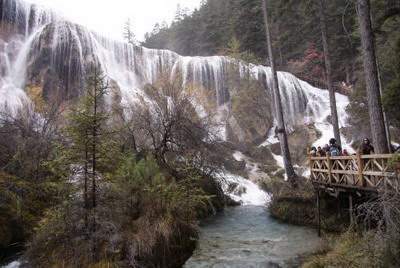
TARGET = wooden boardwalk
x,y
357,172
352,175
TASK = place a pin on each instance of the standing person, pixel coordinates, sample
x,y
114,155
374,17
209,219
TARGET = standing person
x,y
326,149
321,152
334,148
397,150
345,153
313,151
366,147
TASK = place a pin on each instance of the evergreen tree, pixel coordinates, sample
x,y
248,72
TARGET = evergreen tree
x,y
378,130
278,104
328,68
129,36
92,146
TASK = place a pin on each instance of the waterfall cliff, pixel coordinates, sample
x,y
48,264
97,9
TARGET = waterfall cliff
x,y
40,48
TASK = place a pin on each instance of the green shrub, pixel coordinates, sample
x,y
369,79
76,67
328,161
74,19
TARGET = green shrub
x,y
144,215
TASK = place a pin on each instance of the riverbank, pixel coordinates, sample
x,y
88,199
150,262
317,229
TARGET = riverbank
x,y
298,206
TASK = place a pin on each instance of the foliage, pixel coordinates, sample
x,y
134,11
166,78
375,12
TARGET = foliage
x,y
168,124
140,209
128,34
219,24
27,185
126,209
391,97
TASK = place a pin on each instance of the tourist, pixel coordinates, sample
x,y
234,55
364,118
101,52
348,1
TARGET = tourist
x,y
366,147
345,153
320,152
326,149
313,151
334,148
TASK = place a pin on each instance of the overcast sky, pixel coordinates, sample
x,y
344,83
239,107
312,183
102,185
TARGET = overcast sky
x,y
108,16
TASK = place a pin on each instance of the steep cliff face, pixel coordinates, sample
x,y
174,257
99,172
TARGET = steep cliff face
x,y
43,50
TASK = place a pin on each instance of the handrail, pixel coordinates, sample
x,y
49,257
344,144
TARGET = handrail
x,y
349,157
354,171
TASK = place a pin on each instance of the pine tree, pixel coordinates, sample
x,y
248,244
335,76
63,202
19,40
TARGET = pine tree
x,y
129,36
278,104
371,78
328,69
92,145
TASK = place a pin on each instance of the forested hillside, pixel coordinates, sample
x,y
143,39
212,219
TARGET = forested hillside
x,y
235,28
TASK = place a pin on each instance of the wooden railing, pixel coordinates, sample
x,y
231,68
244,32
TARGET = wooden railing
x,y
365,172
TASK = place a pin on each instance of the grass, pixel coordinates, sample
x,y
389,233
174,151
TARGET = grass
x,y
348,250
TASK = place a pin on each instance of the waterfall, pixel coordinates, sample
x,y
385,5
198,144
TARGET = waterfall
x,y
48,50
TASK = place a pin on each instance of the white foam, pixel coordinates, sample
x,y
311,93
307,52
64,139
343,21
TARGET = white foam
x,y
14,264
247,192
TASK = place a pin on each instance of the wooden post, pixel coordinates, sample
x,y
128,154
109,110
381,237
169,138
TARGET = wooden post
x,y
318,214
328,157
360,168
351,209
310,163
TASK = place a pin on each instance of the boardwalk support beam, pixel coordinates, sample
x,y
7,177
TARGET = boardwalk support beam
x,y
351,209
318,214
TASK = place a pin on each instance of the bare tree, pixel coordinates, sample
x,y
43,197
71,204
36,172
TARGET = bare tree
x,y
377,122
383,214
328,68
278,105
178,129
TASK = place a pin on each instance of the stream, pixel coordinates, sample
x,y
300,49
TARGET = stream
x,y
247,236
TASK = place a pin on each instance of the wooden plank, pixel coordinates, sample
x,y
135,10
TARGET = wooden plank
x,y
360,169
329,168
350,187
379,173
377,156
350,157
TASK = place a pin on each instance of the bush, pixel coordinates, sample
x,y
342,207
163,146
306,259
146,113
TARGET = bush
x,y
144,217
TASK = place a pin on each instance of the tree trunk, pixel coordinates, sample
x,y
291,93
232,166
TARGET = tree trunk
x,y
278,105
371,78
94,158
86,178
328,68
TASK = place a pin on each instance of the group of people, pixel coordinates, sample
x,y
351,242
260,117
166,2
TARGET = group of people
x,y
334,149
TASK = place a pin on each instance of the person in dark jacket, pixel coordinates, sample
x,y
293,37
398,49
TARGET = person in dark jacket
x,y
366,147
326,149
334,148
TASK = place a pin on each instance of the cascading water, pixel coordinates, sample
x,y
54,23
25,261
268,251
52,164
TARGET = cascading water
x,y
57,53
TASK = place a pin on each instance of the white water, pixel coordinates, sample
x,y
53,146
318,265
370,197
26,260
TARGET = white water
x,y
73,49
14,264
246,192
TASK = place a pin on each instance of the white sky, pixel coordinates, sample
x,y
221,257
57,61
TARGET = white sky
x,y
107,17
